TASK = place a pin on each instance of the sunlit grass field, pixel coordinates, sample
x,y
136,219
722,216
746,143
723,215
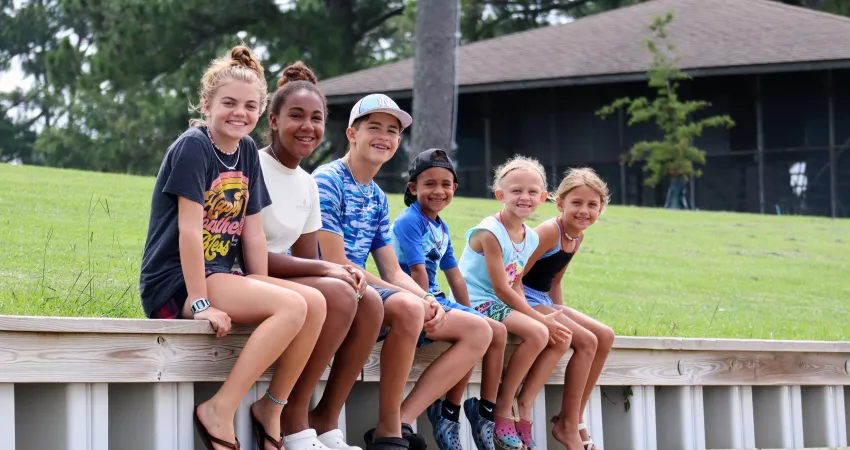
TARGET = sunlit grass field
x,y
71,244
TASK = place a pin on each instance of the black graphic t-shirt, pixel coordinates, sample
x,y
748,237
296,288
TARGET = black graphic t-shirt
x,y
190,169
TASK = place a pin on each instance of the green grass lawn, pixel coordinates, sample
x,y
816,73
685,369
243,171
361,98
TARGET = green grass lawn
x,y
72,242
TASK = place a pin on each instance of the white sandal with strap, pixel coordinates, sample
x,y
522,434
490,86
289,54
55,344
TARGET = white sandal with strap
x,y
588,444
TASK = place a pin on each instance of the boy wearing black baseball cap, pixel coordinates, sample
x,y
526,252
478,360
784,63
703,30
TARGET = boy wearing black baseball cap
x,y
422,243
356,225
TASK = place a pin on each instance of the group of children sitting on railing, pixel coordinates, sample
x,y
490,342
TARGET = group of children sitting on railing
x,y
241,234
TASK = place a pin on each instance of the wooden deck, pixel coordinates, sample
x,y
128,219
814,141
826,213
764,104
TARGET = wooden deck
x,y
127,384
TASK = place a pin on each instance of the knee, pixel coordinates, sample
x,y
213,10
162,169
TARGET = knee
x,y
290,304
340,298
405,312
371,307
584,341
483,334
537,336
605,338
500,334
317,306
564,346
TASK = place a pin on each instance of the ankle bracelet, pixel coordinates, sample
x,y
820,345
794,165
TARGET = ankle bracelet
x,y
270,396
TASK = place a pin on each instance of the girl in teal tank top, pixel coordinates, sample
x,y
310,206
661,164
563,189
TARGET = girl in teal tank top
x,y
494,258
581,197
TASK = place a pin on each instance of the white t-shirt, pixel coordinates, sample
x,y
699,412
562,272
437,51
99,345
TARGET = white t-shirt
x,y
295,204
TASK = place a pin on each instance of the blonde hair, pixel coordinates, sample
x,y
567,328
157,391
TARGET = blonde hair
x,y
583,176
240,65
518,163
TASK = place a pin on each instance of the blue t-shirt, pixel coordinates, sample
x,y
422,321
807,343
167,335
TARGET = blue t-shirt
x,y
418,239
473,267
359,213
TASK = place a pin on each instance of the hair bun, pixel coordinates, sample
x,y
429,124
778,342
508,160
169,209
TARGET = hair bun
x,y
298,71
243,56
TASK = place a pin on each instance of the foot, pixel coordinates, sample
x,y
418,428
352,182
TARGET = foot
x,y
586,440
335,440
304,440
415,441
482,429
567,434
523,429
217,426
322,422
505,434
446,432
268,415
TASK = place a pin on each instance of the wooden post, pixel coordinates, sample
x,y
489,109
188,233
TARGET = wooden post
x,y
833,164
680,418
633,430
488,155
760,143
824,416
88,416
778,417
553,138
620,143
728,412
7,414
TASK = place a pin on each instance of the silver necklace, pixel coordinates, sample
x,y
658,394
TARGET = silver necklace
x,y
209,135
359,187
271,150
569,238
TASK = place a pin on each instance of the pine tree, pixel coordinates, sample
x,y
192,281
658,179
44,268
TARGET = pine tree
x,y
675,154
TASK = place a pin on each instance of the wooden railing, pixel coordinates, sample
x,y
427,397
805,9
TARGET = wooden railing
x,y
81,383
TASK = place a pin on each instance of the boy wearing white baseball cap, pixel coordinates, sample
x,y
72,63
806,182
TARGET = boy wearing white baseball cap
x,y
355,224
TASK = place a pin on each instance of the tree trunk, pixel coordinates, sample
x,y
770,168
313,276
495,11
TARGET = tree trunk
x,y
434,75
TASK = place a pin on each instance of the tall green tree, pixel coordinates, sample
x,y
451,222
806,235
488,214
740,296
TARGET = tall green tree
x,y
674,155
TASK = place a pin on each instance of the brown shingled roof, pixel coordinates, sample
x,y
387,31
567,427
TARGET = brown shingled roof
x,y
707,34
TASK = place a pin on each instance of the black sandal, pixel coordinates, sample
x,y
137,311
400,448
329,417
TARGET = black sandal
x,y
209,439
388,443
414,440
261,436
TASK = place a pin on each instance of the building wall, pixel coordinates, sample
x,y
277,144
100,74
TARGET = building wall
x,y
559,127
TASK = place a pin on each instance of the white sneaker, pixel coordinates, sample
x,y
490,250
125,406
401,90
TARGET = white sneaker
x,y
304,440
334,439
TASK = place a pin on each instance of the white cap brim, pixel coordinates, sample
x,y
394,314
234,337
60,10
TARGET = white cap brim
x,y
385,105
403,117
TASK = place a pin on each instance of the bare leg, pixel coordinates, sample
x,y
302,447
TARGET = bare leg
x,y
493,363
404,314
575,379
341,303
470,336
534,337
291,363
605,341
348,362
280,313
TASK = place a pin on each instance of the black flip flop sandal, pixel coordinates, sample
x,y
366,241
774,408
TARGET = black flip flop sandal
x,y
209,439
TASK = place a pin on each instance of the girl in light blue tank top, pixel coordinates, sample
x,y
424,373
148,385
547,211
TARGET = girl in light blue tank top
x,y
494,258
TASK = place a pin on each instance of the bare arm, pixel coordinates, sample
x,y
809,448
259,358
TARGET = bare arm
x,y
419,275
254,248
333,250
304,261
548,239
495,268
458,286
190,241
556,293
387,263
190,217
